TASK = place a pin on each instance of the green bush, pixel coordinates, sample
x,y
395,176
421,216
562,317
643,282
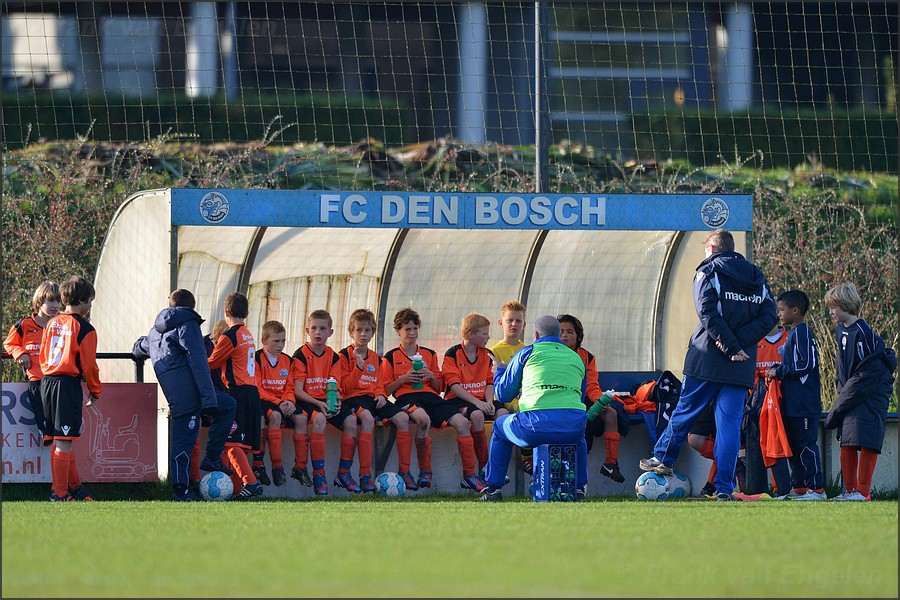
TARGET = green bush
x,y
333,119
838,139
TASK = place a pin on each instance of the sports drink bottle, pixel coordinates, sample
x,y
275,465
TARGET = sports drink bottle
x,y
417,364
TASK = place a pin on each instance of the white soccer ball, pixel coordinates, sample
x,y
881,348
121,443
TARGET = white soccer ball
x,y
651,486
389,484
679,486
216,486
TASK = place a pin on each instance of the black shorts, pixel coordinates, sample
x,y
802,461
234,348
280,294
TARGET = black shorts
x,y
245,431
383,414
467,408
439,411
62,399
705,425
336,420
266,407
37,405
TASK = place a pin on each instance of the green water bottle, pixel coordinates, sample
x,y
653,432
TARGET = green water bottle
x,y
331,394
417,365
601,403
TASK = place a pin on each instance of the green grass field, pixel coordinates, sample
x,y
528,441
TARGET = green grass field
x,y
444,546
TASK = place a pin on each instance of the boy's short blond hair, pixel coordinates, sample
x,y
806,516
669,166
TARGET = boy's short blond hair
x,y
845,297
320,314
512,305
271,328
47,290
361,315
473,322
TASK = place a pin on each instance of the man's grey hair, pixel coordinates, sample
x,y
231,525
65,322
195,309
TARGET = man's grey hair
x,y
546,325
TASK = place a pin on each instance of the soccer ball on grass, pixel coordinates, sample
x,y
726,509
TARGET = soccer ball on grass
x,y
216,486
679,486
652,486
389,484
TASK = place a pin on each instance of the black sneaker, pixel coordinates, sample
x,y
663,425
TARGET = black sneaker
x,y
250,490
278,476
194,486
215,465
708,491
528,464
302,475
581,492
262,476
80,493
612,471
490,496
184,494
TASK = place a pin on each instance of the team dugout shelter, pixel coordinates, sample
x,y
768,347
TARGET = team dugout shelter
x,y
622,263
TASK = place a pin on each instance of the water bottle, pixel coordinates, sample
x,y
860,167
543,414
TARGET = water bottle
x,y
331,394
601,403
417,365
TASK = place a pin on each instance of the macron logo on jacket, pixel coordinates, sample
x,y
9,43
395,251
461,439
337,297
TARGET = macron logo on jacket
x,y
755,298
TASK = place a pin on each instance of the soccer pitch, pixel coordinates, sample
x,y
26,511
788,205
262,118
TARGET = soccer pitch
x,y
449,547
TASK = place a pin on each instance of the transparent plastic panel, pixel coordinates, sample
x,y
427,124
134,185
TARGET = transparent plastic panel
x,y
443,275
227,244
210,280
608,280
287,252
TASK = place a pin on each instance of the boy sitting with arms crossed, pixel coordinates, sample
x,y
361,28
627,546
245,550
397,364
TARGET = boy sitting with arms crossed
x,y
362,385
234,357
469,381
275,380
315,362
401,380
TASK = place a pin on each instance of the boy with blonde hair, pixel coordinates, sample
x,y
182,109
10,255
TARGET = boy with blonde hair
x,y
363,387
469,380
512,322
315,362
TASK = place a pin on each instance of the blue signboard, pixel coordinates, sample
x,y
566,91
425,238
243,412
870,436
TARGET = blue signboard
x,y
449,210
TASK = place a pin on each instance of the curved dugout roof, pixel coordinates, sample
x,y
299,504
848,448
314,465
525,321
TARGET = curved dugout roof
x,y
630,289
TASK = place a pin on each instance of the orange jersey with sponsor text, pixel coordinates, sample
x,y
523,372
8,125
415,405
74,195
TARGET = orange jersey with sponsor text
x,y
396,363
69,347
474,377
275,381
25,338
235,356
312,370
360,379
767,355
593,376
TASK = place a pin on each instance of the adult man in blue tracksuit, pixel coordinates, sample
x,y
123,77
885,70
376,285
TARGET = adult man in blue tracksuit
x,y
176,349
549,379
736,310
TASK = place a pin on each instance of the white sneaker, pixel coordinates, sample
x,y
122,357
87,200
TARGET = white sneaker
x,y
853,496
812,495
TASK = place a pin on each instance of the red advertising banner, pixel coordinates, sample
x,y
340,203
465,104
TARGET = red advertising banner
x,y
118,440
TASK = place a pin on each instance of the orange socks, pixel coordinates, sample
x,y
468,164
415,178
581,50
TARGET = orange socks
x,y
404,450
365,453
849,465
867,460
348,449
195,460
467,453
74,478
317,449
238,458
481,448
611,443
273,439
59,472
423,452
301,450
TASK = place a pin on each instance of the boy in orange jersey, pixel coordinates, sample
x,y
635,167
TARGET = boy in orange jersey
x,y
362,387
512,322
400,380
612,422
23,342
315,362
275,380
234,355
469,381
68,354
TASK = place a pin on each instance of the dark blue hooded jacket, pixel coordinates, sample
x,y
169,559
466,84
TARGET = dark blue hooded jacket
x,y
736,308
176,348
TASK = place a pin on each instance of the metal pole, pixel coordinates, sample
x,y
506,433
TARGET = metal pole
x,y
229,54
541,114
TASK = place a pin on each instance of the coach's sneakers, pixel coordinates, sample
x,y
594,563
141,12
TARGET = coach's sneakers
x,y
723,497
345,480
812,495
320,486
366,483
612,471
580,492
791,495
215,465
655,465
472,482
424,479
262,476
302,475
67,498
853,496
182,493
81,493
250,490
278,476
488,495
409,482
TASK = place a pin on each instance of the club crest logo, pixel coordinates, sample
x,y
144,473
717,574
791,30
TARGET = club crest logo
x,y
192,424
714,213
283,372
214,207
370,368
